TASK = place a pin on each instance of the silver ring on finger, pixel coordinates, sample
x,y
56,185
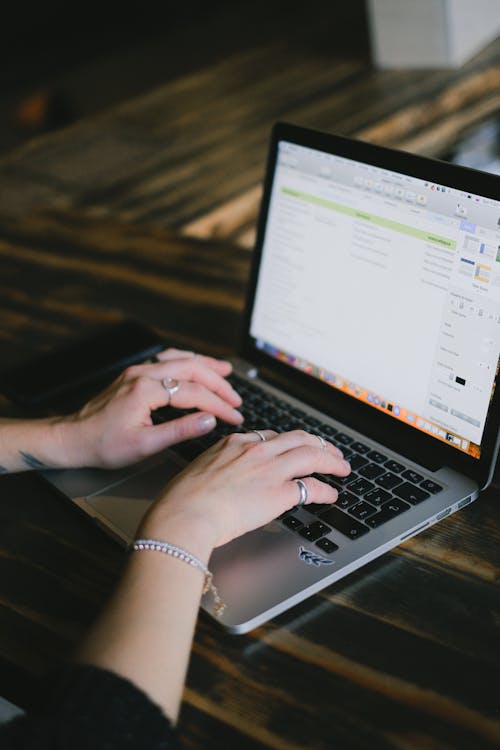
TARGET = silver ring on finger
x,y
261,435
303,491
322,441
171,386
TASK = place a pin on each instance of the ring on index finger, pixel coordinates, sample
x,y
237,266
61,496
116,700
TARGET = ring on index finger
x,y
171,386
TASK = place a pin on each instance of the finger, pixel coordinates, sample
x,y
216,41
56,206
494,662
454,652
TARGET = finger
x,y
151,394
194,396
157,438
239,439
188,369
324,443
306,459
295,438
232,446
258,436
221,366
317,491
195,370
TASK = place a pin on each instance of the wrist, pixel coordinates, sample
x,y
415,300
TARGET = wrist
x,y
192,533
38,444
71,444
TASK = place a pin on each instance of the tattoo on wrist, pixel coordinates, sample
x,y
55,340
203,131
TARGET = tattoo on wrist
x,y
32,461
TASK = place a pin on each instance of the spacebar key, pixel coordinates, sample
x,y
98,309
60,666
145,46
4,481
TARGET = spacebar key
x,y
344,523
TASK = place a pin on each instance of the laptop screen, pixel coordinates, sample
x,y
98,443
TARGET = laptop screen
x,y
384,286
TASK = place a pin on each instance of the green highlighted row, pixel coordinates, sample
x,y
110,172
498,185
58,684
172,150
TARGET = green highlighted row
x,y
420,234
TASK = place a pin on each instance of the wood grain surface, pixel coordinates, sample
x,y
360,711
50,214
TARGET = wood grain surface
x,y
144,211
190,154
402,654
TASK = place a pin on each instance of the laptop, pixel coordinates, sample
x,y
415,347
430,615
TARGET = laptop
x,y
372,319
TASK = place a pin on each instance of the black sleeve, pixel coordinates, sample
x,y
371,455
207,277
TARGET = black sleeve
x,y
92,709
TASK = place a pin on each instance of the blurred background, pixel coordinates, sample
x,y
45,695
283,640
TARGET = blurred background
x,y
61,63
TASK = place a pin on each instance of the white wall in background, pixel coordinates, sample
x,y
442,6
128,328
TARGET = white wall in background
x,y
430,33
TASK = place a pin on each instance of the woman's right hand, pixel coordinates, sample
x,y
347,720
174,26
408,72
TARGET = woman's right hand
x,y
237,485
242,483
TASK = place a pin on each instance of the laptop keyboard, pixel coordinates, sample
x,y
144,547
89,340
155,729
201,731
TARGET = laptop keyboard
x,y
377,489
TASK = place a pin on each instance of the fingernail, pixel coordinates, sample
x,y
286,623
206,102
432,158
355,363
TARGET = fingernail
x,y
207,422
237,400
346,464
238,415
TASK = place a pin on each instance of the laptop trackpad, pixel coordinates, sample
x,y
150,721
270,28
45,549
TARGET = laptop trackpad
x,y
117,499
124,504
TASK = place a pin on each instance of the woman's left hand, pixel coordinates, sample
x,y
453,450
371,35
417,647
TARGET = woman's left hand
x,y
115,428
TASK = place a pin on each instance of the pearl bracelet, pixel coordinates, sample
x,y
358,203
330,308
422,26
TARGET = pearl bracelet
x,y
181,554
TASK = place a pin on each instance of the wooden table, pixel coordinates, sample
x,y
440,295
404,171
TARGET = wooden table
x,y
403,654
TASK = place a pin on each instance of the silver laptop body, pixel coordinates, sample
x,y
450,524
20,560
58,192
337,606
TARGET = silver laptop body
x,y
373,318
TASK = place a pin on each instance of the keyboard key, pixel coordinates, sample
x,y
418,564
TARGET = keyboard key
x,y
394,466
281,419
411,493
273,426
312,421
328,430
388,511
345,524
412,476
342,483
292,523
429,486
356,460
314,531
371,471
379,458
360,447
360,486
330,479
343,439
292,425
347,452
327,545
345,499
388,481
377,496
362,510
315,508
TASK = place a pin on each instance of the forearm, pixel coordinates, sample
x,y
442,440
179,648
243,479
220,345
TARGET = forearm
x,y
36,444
146,631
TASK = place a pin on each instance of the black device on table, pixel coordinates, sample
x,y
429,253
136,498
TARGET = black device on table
x,y
75,370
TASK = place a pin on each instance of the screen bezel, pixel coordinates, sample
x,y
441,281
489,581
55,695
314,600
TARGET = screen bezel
x,y
381,427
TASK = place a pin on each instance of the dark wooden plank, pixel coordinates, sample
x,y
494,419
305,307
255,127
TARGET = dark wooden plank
x,y
62,274
195,147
